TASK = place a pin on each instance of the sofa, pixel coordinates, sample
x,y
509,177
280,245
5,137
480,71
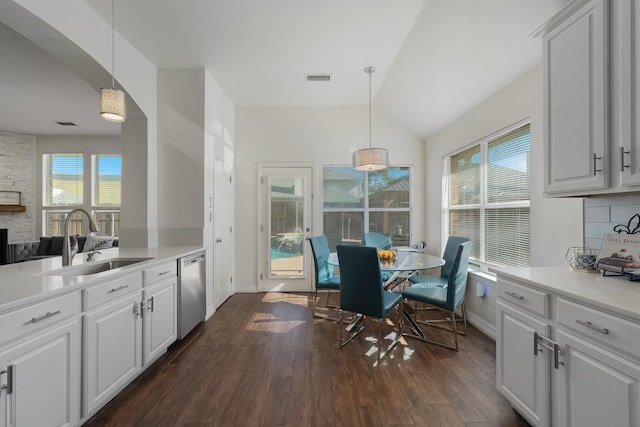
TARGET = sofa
x,y
52,246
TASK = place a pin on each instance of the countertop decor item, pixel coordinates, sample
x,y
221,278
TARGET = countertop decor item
x,y
582,259
620,255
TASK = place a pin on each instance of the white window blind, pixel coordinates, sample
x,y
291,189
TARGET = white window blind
x,y
488,199
63,179
107,176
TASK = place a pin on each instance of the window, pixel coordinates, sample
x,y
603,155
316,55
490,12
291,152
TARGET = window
x,y
357,202
487,198
64,189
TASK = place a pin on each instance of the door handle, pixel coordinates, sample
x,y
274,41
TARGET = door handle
x,y
218,240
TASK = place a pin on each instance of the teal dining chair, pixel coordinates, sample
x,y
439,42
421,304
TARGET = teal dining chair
x,y
362,293
446,298
324,277
449,255
377,240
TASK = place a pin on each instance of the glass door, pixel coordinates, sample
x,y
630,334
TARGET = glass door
x,y
286,225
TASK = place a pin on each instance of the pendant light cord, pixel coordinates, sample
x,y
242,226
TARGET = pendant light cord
x,y
113,45
369,70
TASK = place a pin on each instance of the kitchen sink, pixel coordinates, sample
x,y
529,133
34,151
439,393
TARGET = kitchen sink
x,y
94,267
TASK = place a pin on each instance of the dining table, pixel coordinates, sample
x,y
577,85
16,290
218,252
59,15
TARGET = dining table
x,y
405,263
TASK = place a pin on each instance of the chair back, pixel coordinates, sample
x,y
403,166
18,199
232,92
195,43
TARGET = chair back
x,y
360,280
450,252
419,246
320,249
378,240
457,283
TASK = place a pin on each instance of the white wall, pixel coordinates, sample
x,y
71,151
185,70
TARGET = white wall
x,y
556,224
326,136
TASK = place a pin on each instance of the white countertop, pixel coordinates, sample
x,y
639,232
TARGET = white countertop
x,y
26,282
612,293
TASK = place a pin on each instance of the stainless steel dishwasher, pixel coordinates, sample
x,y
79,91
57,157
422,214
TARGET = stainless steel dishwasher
x,y
191,292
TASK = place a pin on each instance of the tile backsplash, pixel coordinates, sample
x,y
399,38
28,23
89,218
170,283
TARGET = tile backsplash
x,y
603,213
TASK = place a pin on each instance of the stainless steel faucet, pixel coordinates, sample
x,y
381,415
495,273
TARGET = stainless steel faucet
x,y
69,249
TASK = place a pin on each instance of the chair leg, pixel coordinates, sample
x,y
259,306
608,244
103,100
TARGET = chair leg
x,y
418,333
434,323
356,320
323,315
391,345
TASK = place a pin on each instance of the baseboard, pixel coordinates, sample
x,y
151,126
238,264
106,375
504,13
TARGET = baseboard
x,y
246,289
484,327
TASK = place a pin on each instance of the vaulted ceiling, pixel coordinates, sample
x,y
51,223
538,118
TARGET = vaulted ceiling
x,y
434,59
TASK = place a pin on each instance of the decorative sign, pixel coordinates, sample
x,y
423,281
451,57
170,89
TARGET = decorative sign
x,y
9,198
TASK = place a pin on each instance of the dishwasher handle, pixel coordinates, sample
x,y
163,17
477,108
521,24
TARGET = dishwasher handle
x,y
193,260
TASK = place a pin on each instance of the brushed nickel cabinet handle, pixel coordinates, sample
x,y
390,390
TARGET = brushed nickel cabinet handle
x,y
119,288
622,153
514,295
47,315
592,326
595,168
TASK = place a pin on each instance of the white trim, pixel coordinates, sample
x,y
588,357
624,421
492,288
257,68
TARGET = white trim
x,y
483,326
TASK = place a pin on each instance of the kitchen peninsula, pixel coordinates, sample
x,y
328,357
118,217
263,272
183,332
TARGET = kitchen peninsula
x,y
71,339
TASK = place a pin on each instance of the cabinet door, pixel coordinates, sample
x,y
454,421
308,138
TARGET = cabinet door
x,y
112,350
522,376
596,388
626,89
159,318
43,374
575,109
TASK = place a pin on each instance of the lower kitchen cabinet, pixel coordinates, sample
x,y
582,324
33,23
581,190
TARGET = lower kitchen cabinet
x,y
596,387
522,376
40,379
563,362
160,318
112,350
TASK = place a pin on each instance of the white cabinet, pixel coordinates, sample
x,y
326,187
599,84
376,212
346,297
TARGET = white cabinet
x,y
625,82
562,362
126,328
575,46
596,387
160,313
522,376
591,63
112,349
40,371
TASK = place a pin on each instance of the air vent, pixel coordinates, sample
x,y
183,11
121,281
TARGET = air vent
x,y
318,77
66,124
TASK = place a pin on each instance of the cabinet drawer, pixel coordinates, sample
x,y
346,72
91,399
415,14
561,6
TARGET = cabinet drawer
x,y
111,290
37,316
162,271
531,299
614,331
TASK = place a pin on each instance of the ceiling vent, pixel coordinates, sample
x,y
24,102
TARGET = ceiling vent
x,y
318,77
66,124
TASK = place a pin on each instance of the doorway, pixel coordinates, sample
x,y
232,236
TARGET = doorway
x,y
285,226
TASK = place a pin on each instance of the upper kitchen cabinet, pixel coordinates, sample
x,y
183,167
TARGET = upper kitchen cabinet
x,y
591,59
575,81
625,89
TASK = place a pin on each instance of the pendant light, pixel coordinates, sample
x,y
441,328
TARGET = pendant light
x,y
370,159
112,101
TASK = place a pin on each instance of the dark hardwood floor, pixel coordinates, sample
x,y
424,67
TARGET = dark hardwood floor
x,y
263,360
